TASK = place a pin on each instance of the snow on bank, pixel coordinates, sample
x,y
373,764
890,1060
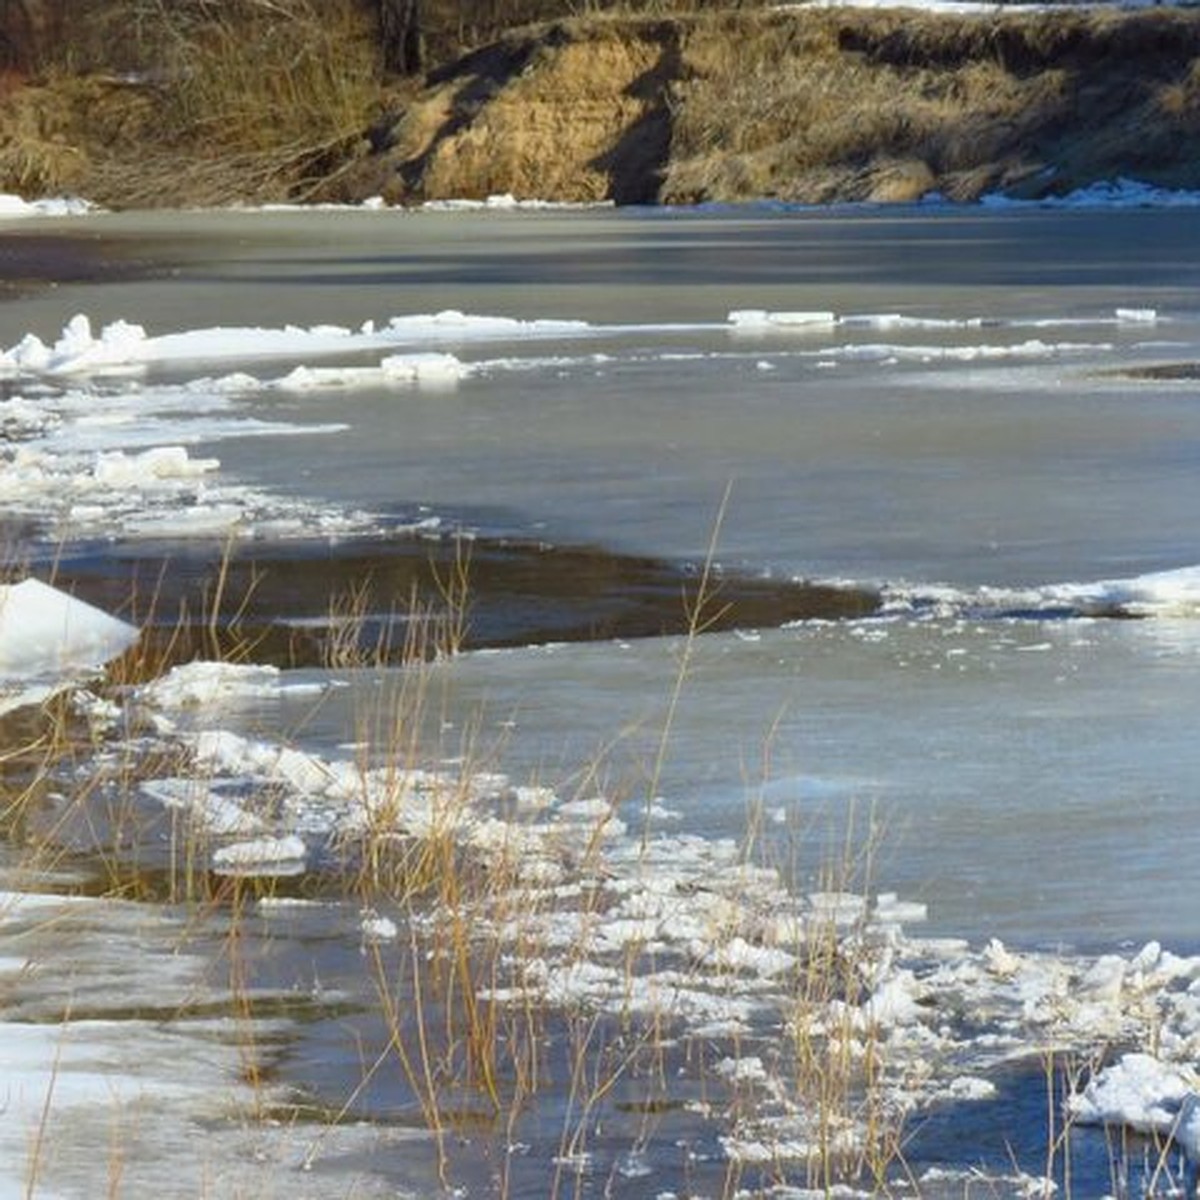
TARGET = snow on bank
x,y
1015,8
14,208
1117,193
507,202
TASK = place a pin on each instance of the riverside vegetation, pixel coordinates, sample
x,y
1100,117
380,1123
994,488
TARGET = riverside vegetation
x,y
136,103
487,1023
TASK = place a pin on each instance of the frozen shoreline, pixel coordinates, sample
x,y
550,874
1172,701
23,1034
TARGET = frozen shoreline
x,y
679,931
1120,193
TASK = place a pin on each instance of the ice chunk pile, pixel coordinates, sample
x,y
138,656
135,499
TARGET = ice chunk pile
x,y
590,914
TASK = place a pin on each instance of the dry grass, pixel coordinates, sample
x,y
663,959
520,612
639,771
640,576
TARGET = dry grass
x,y
807,105
480,1047
185,103
853,105
655,100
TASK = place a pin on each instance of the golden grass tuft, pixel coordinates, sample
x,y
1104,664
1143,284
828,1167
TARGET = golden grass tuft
x,y
829,105
195,104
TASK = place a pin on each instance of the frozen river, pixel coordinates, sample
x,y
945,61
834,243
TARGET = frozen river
x,y
957,421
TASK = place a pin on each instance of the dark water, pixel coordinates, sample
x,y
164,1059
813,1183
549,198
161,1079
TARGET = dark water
x,y
277,597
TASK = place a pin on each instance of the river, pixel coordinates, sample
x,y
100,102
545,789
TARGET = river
x,y
948,431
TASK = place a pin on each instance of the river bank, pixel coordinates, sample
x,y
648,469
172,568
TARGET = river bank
x,y
812,105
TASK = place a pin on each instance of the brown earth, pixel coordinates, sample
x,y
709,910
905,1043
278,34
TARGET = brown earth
x,y
808,105
813,105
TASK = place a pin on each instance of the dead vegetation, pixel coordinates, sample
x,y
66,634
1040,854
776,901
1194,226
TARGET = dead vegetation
x,y
808,105
662,101
887,106
197,104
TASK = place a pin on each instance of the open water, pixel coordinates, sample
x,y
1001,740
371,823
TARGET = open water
x,y
958,514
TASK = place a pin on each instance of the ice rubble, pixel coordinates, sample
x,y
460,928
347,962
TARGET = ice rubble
x,y
687,932
84,461
591,915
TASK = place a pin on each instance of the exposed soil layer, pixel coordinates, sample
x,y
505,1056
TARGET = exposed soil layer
x,y
806,105
798,104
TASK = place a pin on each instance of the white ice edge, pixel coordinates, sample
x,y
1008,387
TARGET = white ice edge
x,y
1173,592
122,345
47,634
755,321
15,208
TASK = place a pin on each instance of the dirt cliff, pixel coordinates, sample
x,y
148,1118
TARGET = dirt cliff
x,y
808,104
805,104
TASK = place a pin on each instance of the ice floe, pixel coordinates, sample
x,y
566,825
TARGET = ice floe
x,y
1142,1093
122,345
1167,594
118,1052
48,638
429,370
210,811
263,856
214,685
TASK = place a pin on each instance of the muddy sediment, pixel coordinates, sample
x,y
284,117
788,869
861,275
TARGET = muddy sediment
x,y
295,603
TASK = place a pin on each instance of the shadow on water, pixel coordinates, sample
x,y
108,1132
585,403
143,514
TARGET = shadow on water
x,y
1024,1127
33,261
287,600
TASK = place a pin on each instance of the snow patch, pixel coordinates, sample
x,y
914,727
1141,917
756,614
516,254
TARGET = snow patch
x,y
14,207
